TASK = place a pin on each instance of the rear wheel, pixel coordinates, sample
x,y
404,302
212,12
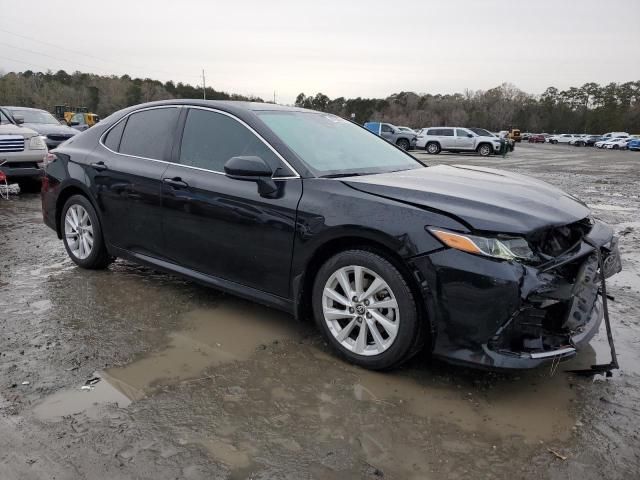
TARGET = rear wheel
x,y
433,148
366,310
616,147
403,143
82,234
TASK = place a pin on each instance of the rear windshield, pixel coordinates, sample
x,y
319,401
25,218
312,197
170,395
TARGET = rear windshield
x,y
330,145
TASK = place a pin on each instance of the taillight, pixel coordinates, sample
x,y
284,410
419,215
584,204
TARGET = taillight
x,y
48,158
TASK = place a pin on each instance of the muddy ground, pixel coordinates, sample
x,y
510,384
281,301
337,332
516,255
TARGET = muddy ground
x,y
191,383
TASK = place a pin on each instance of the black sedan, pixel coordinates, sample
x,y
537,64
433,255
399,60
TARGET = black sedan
x,y
312,214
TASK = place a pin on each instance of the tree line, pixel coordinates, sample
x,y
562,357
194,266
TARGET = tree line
x,y
100,94
591,108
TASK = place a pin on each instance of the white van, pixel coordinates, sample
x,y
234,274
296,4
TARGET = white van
x,y
615,135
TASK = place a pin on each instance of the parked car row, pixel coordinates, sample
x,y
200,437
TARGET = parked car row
x,y
610,140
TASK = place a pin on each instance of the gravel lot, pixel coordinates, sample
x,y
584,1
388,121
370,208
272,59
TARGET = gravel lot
x,y
195,384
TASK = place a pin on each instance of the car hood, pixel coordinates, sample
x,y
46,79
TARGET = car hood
x,y
11,129
48,129
482,198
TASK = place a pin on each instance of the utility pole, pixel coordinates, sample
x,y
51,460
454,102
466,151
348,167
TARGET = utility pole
x,y
204,88
274,96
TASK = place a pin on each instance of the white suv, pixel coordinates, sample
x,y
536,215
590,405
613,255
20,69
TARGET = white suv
x,y
564,138
456,139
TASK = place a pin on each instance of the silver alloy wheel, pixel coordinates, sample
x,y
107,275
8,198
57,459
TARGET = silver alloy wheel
x,y
484,150
78,231
360,310
432,148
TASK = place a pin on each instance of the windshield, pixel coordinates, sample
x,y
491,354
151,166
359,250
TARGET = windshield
x,y
35,116
4,120
482,132
330,145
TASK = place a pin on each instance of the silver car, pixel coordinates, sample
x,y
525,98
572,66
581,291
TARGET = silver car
x,y
456,139
21,150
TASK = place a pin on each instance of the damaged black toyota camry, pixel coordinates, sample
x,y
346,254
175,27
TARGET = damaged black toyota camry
x,y
309,213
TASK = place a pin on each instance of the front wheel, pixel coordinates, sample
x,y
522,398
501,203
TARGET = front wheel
x,y
82,234
366,310
484,150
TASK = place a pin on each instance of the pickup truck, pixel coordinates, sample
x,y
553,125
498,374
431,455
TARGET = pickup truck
x,y
401,138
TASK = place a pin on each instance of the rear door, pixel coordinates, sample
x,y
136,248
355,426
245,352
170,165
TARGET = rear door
x,y
127,173
447,139
220,226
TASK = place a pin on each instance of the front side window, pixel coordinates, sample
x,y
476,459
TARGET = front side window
x,y
330,145
461,132
148,133
386,129
210,139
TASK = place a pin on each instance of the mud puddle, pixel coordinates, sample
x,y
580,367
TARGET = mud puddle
x,y
208,337
87,399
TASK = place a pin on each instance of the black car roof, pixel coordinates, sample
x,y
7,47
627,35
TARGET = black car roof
x,y
226,105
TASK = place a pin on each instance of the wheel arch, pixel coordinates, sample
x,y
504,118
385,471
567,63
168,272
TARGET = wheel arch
x,y
73,188
303,283
485,143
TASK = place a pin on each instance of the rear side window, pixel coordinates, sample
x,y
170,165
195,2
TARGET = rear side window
x,y
210,139
112,141
148,133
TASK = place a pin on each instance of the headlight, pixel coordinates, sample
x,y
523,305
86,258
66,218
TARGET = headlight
x,y
504,248
37,143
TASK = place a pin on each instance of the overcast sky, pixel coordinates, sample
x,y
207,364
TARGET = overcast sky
x,y
341,48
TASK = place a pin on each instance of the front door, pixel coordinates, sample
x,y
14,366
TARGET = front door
x,y
464,139
386,132
220,226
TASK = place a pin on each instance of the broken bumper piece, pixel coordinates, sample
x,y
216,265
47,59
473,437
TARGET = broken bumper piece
x,y
506,315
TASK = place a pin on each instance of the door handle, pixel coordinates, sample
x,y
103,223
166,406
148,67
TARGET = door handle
x,y
99,166
175,182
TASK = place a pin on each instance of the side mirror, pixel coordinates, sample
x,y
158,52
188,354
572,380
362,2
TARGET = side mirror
x,y
252,169
469,135
19,119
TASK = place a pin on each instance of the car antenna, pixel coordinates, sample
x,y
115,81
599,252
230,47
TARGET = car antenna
x,y
604,368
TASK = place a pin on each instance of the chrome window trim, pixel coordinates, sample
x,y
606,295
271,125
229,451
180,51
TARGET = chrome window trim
x,y
215,110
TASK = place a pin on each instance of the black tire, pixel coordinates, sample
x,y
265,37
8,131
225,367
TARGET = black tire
x,y
484,149
433,148
409,337
616,147
403,143
554,142
99,257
